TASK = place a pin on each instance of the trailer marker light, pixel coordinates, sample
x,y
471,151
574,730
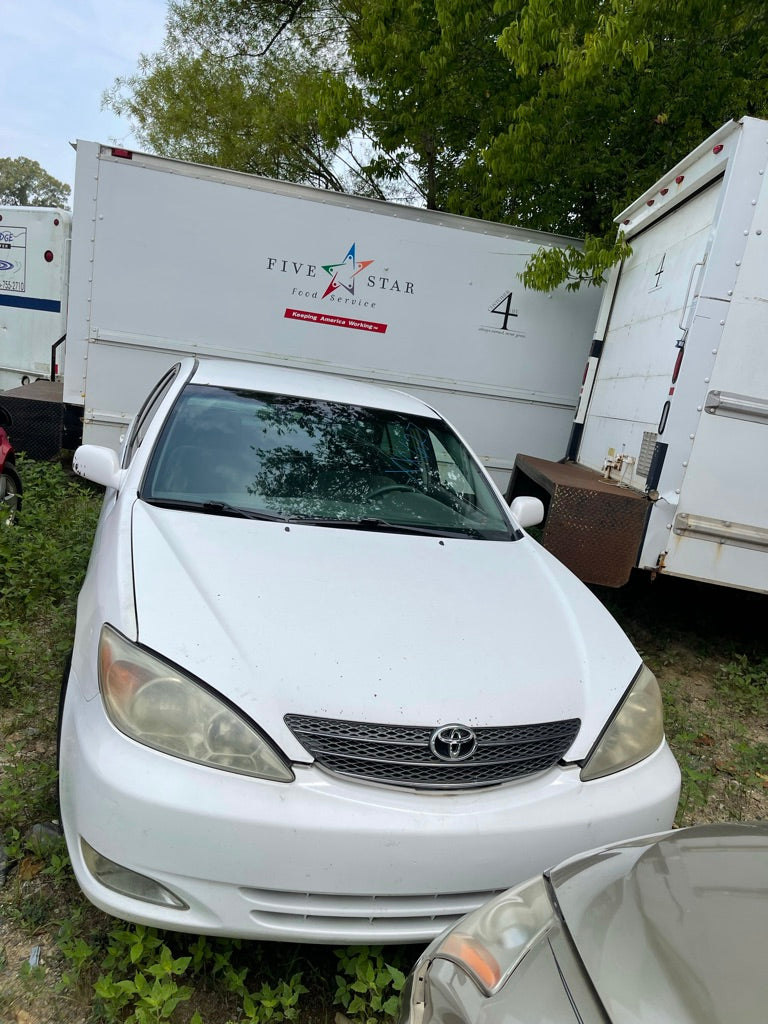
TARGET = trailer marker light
x,y
664,191
126,154
718,148
678,364
56,221
650,202
48,256
680,179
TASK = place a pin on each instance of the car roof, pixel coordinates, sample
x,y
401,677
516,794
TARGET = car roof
x,y
674,927
306,383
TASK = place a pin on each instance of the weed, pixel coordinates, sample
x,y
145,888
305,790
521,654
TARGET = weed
x,y
138,977
368,987
78,952
273,1002
746,681
151,999
27,794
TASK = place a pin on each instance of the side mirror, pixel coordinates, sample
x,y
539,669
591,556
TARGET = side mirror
x,y
527,511
99,465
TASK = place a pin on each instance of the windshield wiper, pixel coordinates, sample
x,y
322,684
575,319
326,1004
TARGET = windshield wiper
x,y
217,508
224,509
372,523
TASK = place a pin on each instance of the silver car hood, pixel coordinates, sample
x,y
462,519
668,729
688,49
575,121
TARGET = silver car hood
x,y
674,928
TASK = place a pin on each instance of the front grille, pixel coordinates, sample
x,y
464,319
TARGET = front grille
x,y
359,919
400,755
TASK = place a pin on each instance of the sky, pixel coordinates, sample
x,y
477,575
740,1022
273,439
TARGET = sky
x,y
58,57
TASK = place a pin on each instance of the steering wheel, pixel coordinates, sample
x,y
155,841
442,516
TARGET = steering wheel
x,y
388,489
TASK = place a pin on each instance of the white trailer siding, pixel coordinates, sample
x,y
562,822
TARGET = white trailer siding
x,y
707,250
720,528
34,267
652,300
173,258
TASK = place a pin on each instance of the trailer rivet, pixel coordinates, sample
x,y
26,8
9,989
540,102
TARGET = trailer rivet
x,y
730,291
738,263
722,323
746,233
698,408
706,380
754,202
691,436
759,231
684,465
669,526
677,490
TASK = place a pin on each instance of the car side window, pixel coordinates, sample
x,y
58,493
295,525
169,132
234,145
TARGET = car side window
x,y
147,413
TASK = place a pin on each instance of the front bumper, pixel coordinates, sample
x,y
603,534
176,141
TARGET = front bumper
x,y
323,859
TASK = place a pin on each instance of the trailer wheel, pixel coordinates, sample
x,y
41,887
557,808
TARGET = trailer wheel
x,y
10,496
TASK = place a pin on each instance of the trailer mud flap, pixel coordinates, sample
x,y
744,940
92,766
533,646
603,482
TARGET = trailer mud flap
x,y
594,526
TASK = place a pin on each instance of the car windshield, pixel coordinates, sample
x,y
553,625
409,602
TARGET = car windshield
x,y
266,455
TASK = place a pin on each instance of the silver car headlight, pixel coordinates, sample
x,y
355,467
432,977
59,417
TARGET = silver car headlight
x,y
489,943
633,733
162,707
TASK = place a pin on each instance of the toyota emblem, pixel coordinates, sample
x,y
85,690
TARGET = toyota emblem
x,y
453,743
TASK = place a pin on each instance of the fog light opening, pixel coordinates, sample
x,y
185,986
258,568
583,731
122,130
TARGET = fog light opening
x,y
126,882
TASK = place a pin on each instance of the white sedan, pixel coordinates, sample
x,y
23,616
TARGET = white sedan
x,y
324,687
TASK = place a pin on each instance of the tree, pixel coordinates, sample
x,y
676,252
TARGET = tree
x,y
550,114
354,94
436,90
618,91
23,182
238,83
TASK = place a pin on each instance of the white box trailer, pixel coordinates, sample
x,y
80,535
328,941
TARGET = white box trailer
x,y
34,271
666,465
172,258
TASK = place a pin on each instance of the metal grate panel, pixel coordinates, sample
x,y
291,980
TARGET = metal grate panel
x,y
399,755
594,526
650,437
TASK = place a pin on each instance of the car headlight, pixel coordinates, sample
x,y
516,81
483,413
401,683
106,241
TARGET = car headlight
x,y
635,730
489,943
159,705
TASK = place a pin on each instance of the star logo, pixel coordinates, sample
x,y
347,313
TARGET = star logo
x,y
343,274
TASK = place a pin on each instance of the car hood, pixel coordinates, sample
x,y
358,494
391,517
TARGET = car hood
x,y
674,927
369,626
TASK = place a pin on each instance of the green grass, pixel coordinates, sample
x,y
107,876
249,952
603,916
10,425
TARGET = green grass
x,y
709,650
43,559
